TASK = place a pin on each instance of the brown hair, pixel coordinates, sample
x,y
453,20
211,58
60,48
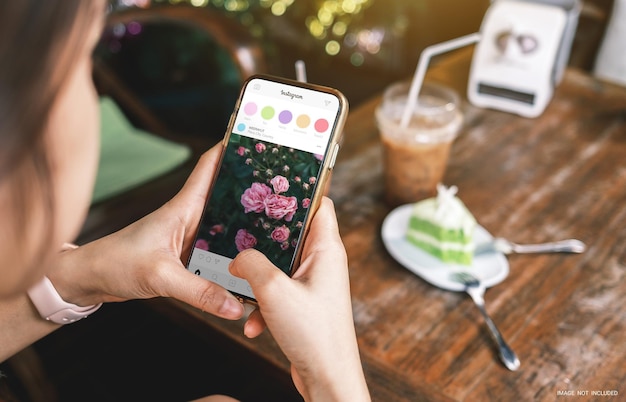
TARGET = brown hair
x,y
40,41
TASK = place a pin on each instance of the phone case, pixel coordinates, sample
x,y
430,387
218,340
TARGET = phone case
x,y
270,191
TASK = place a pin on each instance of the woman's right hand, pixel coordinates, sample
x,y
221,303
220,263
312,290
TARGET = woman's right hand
x,y
310,314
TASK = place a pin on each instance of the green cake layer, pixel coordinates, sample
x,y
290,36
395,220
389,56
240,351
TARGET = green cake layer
x,y
463,257
442,234
444,231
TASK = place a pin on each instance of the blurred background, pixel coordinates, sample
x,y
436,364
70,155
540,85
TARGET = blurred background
x,y
180,68
345,43
187,67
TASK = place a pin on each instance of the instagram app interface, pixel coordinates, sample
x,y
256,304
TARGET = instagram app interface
x,y
264,188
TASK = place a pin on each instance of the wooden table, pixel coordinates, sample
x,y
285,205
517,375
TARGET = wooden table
x,y
561,175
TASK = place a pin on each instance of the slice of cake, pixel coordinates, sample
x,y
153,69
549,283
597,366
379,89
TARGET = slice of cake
x,y
443,227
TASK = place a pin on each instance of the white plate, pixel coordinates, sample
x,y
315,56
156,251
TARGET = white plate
x,y
490,268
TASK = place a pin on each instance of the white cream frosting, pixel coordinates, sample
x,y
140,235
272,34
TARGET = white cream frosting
x,y
446,210
469,247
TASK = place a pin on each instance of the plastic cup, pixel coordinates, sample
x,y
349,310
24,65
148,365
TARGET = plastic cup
x,y
416,156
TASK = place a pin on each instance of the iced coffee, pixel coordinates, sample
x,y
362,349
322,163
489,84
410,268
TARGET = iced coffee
x,y
415,155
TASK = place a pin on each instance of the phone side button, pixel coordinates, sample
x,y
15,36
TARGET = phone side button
x,y
229,127
333,158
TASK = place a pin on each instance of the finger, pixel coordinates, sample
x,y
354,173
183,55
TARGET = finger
x,y
325,223
192,197
254,267
200,178
323,243
255,325
201,293
297,380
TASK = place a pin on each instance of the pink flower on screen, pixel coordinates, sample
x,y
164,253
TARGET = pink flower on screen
x,y
306,203
319,157
244,240
284,245
215,229
280,234
253,199
260,147
278,207
241,151
312,180
202,244
280,184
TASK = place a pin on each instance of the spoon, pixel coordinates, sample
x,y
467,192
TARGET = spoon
x,y
507,247
476,290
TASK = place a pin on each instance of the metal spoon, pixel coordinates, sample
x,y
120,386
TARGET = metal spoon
x,y
476,290
507,247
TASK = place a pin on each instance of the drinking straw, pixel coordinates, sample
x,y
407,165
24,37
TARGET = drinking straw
x,y
300,71
422,64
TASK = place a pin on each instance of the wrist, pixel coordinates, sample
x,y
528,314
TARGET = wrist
x,y
60,297
339,389
72,274
341,381
51,305
53,308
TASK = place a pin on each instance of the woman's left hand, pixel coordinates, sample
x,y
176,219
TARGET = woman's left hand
x,y
144,260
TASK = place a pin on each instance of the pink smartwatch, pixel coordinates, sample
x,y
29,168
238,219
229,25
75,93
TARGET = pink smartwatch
x,y
53,308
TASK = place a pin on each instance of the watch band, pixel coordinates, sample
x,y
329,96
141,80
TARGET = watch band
x,y
53,308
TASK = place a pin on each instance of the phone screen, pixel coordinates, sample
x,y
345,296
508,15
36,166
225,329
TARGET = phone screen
x,y
281,139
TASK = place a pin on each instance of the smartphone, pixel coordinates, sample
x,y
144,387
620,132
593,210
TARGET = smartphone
x,y
278,152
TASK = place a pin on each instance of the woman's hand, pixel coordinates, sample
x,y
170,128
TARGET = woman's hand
x,y
143,260
310,314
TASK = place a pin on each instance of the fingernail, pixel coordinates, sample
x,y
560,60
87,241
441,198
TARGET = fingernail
x,y
246,331
231,308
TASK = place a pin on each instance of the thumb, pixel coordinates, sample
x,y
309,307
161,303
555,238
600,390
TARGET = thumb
x,y
196,291
260,273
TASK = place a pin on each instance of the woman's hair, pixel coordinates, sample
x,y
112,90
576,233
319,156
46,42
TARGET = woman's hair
x,y
40,41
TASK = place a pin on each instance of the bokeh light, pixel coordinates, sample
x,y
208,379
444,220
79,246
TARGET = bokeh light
x,y
357,59
279,8
332,47
338,25
340,28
